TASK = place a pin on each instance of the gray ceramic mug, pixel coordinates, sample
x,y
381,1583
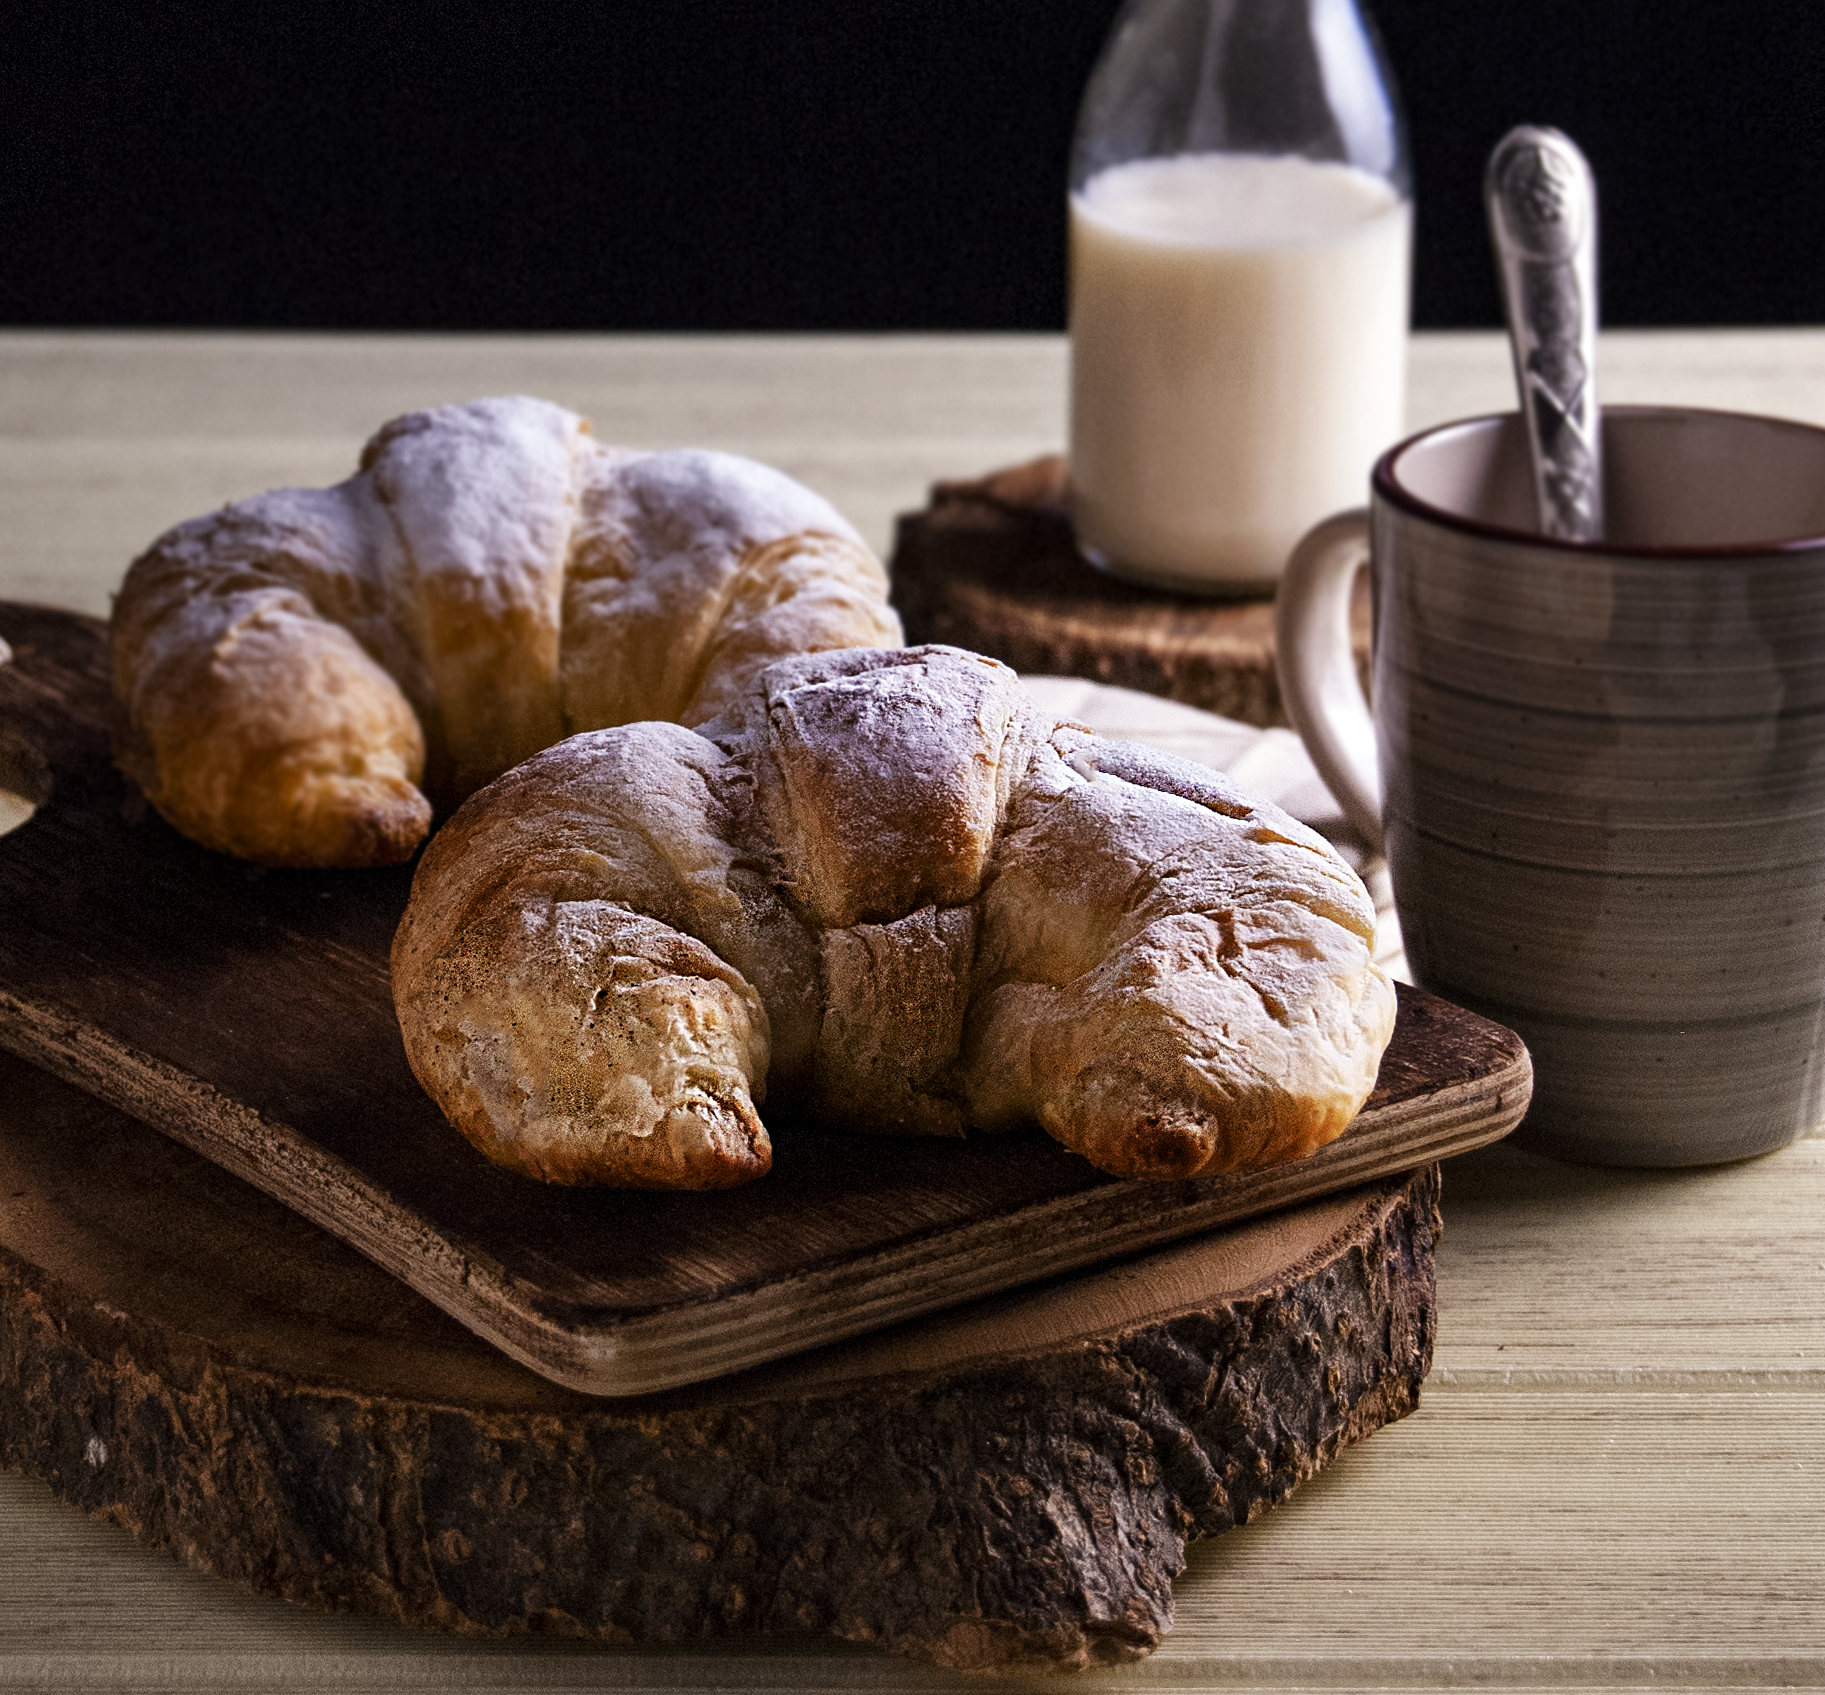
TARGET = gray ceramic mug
x,y
1598,769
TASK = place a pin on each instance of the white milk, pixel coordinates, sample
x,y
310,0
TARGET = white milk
x,y
1238,358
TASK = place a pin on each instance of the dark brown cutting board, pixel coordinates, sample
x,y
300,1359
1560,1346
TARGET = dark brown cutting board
x,y
246,1013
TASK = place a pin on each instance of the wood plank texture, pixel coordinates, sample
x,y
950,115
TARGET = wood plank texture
x,y
109,441
1587,1562
106,440
1563,1274
248,1014
1667,1325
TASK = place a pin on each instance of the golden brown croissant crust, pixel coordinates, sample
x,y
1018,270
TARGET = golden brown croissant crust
x,y
884,886
305,674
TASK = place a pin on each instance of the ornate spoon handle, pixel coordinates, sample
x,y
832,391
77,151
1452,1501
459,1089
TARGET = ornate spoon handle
x,y
1542,206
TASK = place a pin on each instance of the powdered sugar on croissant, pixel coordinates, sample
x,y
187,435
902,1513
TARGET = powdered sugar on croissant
x,y
307,673
882,886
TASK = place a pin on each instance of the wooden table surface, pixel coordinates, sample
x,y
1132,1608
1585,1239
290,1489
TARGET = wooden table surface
x,y
1617,1477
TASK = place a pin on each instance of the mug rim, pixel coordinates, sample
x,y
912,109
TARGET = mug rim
x,y
1386,486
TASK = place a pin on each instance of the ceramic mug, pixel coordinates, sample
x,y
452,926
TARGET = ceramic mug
x,y
1598,769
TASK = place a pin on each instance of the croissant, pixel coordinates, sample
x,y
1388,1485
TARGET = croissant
x,y
883,888
306,674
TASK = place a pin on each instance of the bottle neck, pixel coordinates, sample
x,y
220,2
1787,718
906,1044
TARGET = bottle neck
x,y
1298,78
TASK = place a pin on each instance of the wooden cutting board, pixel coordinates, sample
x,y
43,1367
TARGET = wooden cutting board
x,y
246,1013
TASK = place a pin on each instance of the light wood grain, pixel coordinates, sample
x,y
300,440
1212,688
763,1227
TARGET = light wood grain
x,y
107,440
1780,372
1556,1533
1560,1274
1656,1337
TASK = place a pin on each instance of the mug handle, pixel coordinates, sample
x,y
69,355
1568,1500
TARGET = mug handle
x,y
1317,666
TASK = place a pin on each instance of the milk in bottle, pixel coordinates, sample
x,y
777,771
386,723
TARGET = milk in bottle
x,y
1239,286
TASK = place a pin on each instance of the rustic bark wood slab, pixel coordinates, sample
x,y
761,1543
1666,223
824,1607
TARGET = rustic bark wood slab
x,y
994,565
1010,1484
247,1014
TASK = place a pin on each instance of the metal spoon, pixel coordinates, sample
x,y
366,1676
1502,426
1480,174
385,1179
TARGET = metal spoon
x,y
1542,206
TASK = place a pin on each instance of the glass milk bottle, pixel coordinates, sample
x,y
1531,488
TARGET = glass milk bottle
x,y
1241,232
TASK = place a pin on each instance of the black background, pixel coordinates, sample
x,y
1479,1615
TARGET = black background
x,y
874,165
